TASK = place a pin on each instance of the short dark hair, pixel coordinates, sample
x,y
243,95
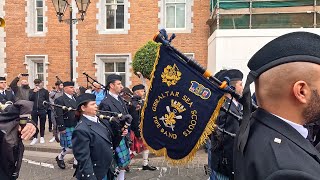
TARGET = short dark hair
x,y
37,81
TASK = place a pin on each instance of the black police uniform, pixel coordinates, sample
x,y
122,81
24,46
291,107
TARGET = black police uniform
x,y
6,96
65,118
267,147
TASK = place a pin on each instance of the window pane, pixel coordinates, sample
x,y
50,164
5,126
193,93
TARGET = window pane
x,y
40,76
120,17
109,67
181,15
106,77
40,27
39,3
170,0
39,67
109,1
181,1
170,16
121,67
123,79
39,12
40,20
110,17
120,1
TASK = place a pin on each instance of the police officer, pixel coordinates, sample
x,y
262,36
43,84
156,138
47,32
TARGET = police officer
x,y
228,121
66,121
113,102
93,141
272,144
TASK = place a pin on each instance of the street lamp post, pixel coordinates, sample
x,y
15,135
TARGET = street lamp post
x,y
60,7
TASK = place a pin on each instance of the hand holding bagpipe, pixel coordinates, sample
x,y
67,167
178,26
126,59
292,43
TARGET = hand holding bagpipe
x,y
59,106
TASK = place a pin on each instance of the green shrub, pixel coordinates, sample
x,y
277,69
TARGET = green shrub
x,y
144,58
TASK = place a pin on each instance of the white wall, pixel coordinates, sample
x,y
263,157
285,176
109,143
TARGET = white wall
x,y
232,48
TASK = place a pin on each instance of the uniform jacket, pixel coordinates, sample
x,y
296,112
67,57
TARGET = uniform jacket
x,y
65,118
93,148
7,97
38,98
224,149
109,103
276,151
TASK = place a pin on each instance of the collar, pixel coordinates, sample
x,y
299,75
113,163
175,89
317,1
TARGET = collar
x,y
69,96
91,118
114,95
302,130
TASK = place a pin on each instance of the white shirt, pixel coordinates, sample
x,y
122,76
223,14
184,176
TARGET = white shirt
x,y
114,95
91,118
302,130
69,96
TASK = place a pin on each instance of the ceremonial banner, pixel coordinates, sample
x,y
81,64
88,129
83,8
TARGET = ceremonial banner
x,y
180,109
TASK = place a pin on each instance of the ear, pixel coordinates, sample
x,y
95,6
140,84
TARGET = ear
x,y
301,91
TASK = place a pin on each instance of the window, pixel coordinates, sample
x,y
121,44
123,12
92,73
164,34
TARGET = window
x,y
113,16
176,15
113,64
39,16
115,68
189,55
36,18
39,73
37,66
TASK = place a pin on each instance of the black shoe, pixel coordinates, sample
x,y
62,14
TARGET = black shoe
x,y
127,169
148,167
60,163
75,166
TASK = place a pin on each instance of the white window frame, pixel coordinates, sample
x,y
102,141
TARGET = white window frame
x,y
30,62
101,59
31,19
102,19
188,17
36,16
189,55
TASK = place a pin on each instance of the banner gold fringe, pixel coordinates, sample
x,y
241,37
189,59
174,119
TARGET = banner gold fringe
x,y
207,131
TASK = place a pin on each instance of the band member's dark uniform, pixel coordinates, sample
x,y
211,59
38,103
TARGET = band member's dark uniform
x,y
113,102
5,95
94,140
137,143
229,121
272,141
66,121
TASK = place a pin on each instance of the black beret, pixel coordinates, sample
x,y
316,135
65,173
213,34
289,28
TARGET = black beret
x,y
83,98
113,77
68,83
292,47
232,75
137,87
2,78
218,75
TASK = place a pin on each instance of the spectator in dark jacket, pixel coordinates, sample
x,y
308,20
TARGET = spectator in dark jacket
x,y
20,92
39,110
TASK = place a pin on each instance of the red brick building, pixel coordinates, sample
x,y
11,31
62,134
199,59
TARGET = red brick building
x,y
34,42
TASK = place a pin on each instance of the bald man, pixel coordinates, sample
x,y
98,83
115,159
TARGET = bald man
x,y
272,143
21,92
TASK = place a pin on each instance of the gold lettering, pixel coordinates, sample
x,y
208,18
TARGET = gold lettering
x,y
177,94
156,122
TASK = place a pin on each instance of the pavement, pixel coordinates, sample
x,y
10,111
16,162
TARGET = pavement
x,y
39,164
42,166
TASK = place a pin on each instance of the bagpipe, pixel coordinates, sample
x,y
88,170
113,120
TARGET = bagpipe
x,y
123,120
58,79
91,80
131,100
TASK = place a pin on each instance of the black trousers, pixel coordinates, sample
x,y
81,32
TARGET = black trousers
x,y
49,118
39,115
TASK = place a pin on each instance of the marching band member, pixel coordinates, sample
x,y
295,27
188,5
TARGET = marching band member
x,y
94,140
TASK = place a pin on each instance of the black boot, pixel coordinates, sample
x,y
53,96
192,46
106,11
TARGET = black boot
x,y
60,163
148,167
